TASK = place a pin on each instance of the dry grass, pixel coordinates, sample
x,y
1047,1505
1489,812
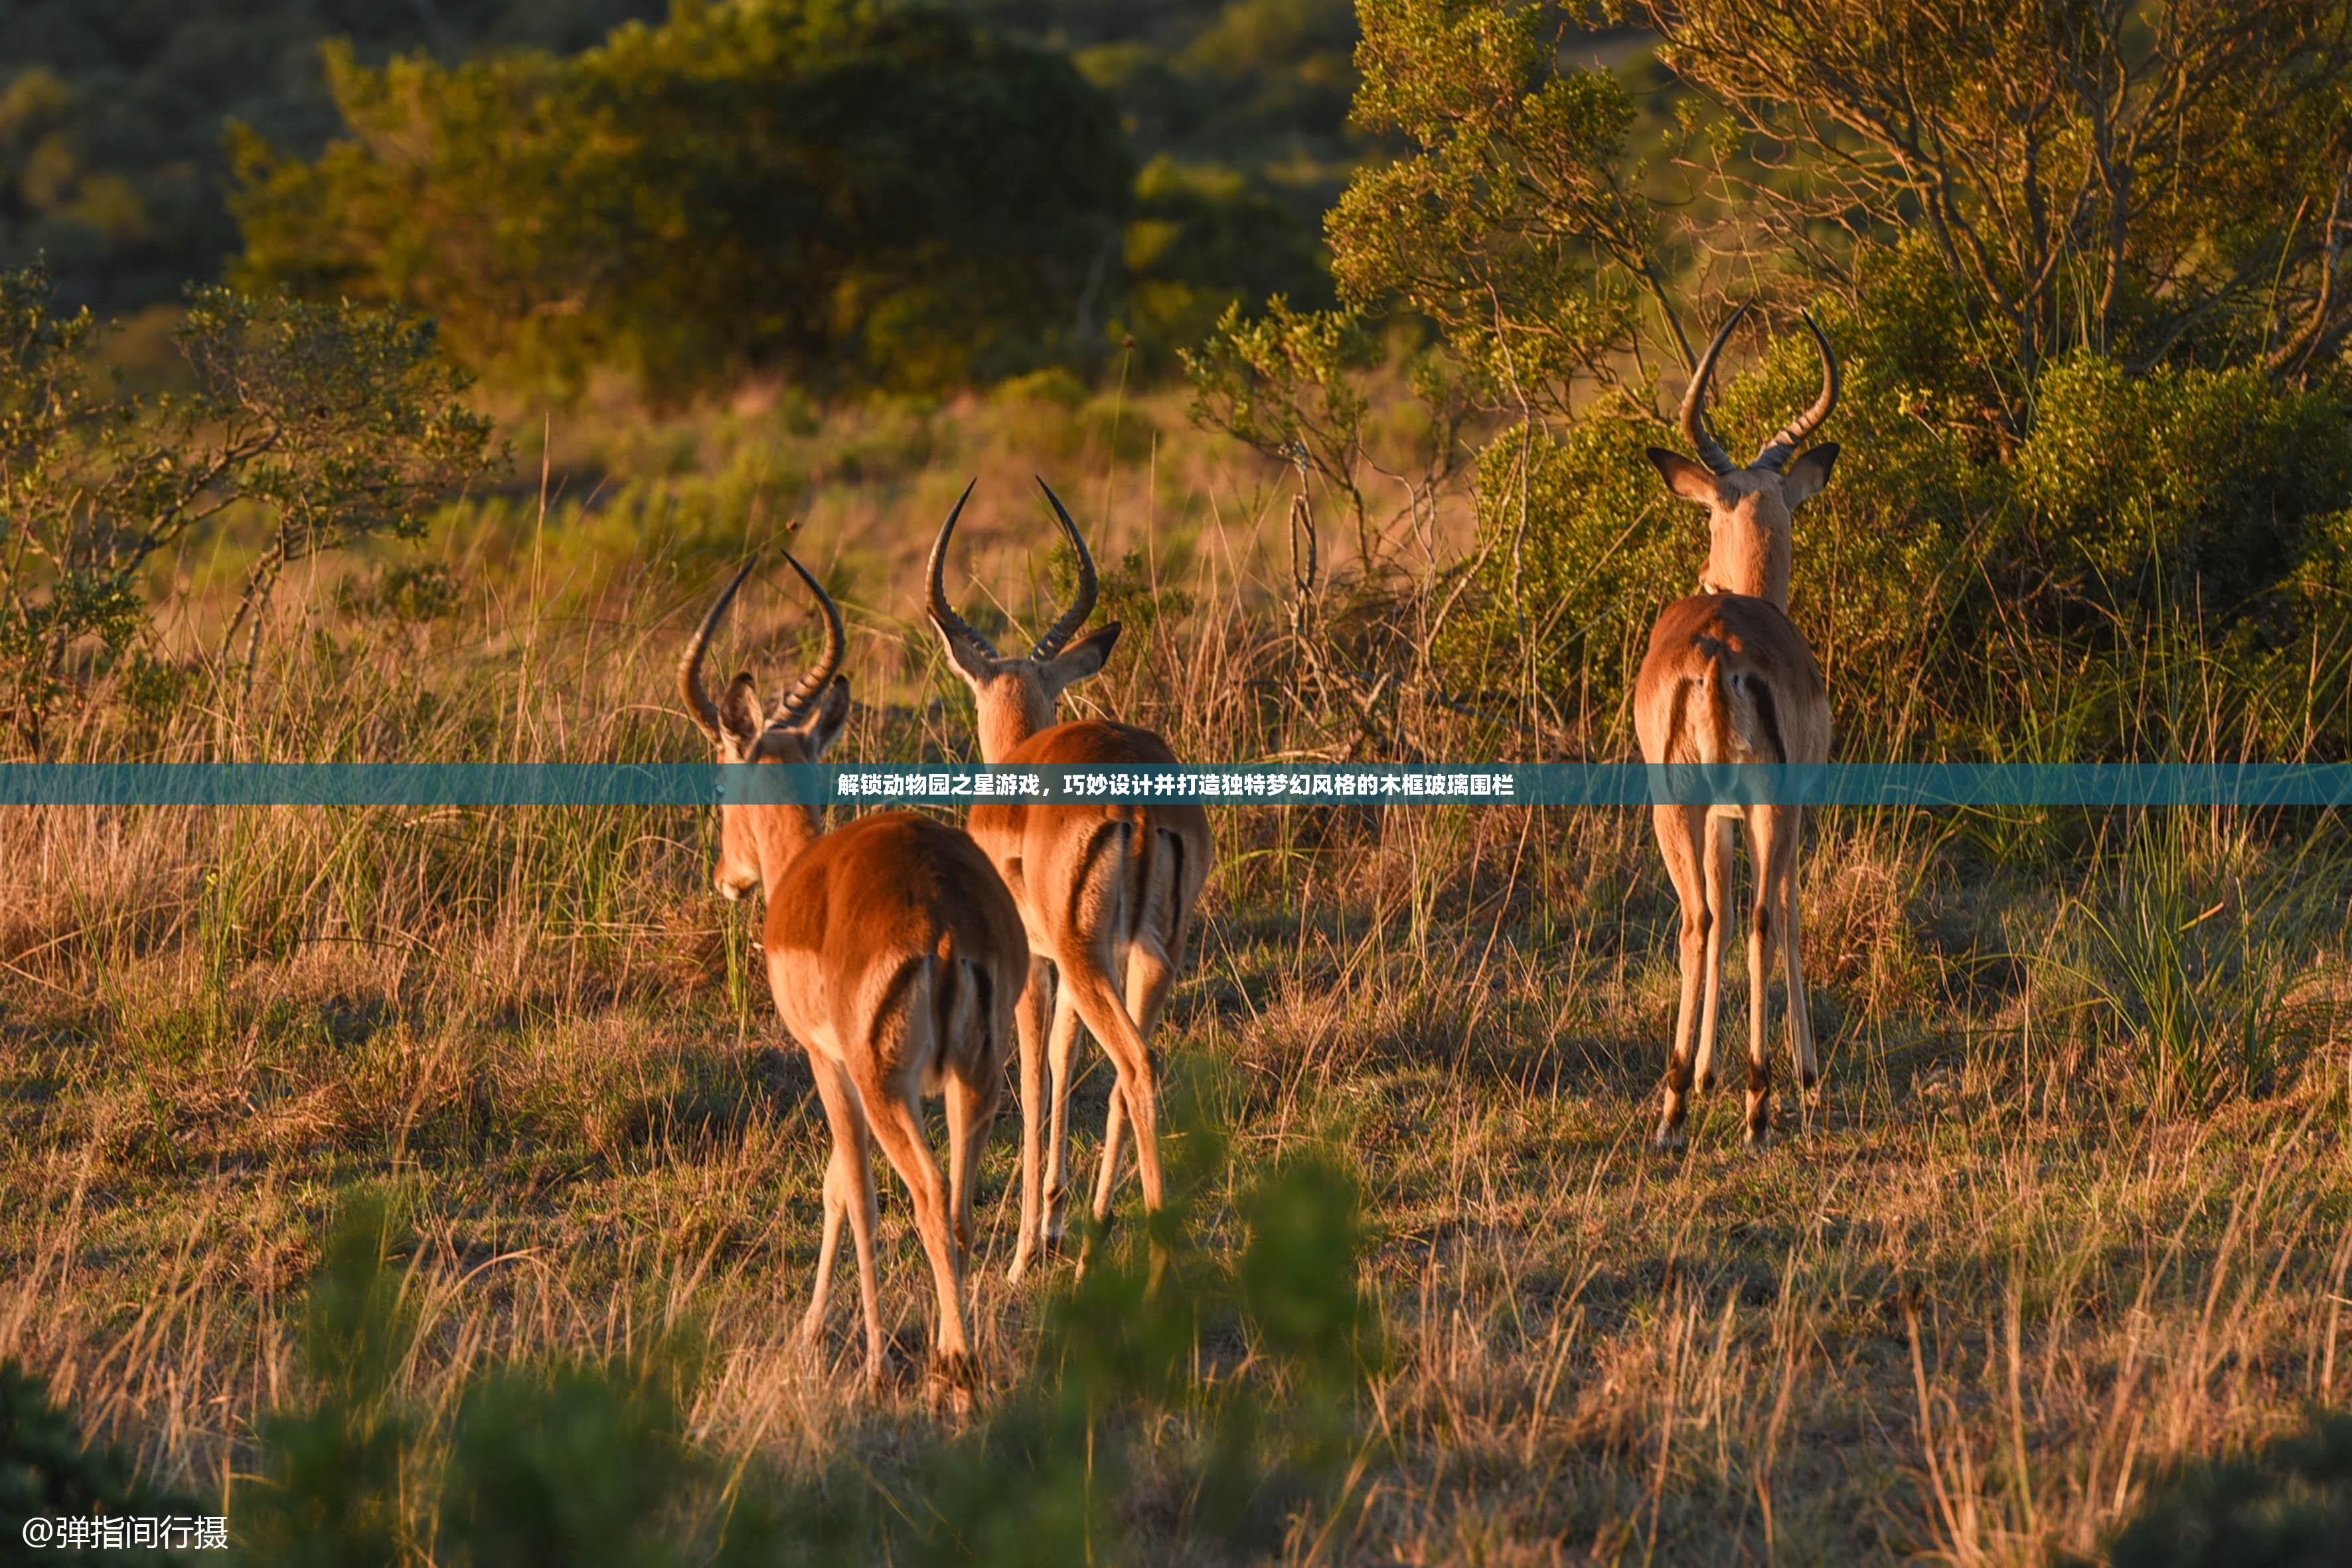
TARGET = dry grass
x,y
1959,1314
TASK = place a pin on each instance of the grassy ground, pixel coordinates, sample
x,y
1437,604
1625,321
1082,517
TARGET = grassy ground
x,y
2076,1202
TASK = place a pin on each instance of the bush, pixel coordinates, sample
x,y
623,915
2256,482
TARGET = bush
x,y
1205,239
845,192
324,425
1242,1374
2286,1505
1232,1385
333,1469
565,1462
575,1464
2194,486
1968,594
48,1469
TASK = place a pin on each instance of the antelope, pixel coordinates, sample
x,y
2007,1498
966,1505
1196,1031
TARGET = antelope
x,y
1729,679
894,955
1105,890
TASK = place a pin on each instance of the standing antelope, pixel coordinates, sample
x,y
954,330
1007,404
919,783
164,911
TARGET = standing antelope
x,y
1105,890
894,955
1729,679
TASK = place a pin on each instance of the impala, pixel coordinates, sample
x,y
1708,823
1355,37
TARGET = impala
x,y
1729,679
895,955
1105,891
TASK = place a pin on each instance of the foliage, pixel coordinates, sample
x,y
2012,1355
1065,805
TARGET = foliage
x,y
2151,182
842,189
1515,222
48,1469
1257,1362
1511,224
333,1466
1203,240
568,1463
313,426
1289,383
111,163
406,595
1253,84
559,1461
587,1463
2205,486
2188,510
2287,1504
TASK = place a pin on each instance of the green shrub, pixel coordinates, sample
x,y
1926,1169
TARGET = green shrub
x,y
2203,488
845,192
48,1469
573,1464
1240,1370
2159,568
2288,1504
311,426
1203,239
334,1467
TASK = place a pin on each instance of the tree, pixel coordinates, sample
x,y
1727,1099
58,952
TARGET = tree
x,y
1203,239
2152,179
834,189
325,424
111,167
1515,221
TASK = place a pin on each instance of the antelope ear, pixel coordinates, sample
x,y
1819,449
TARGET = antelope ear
x,y
1083,657
969,657
825,725
1809,475
1691,481
739,718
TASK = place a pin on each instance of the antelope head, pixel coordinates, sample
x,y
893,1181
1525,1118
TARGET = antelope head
x,y
800,726
1015,696
1749,508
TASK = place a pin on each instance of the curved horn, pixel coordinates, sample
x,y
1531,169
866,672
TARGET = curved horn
x,y
1784,447
942,612
812,685
689,669
1710,450
1084,604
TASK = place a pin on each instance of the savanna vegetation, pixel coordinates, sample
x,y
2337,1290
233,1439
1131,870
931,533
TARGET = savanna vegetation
x,y
434,1185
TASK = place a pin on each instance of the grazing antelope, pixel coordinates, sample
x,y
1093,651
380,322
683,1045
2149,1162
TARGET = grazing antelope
x,y
1105,890
1729,679
895,955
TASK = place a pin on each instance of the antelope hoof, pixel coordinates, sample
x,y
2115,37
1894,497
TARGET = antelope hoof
x,y
1759,1139
948,1386
1669,1138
